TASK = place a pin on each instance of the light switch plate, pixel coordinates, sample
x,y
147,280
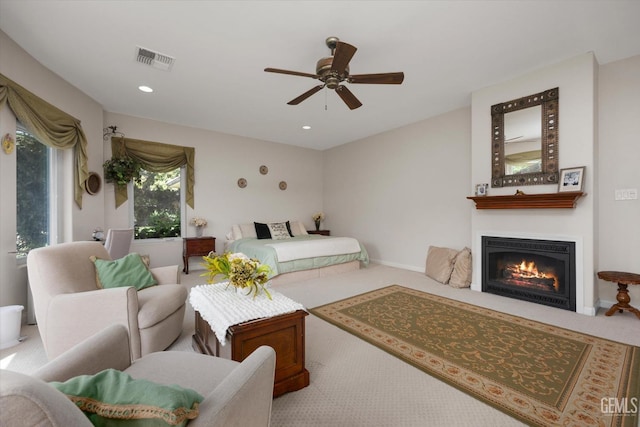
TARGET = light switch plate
x,y
626,194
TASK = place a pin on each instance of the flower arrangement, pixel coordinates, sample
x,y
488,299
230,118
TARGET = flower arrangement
x,y
121,170
317,219
241,271
198,222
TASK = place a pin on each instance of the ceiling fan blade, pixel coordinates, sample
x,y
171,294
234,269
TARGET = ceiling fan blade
x,y
348,97
305,95
380,78
341,57
292,73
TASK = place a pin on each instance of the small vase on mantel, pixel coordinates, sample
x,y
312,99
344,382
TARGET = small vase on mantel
x,y
317,225
199,230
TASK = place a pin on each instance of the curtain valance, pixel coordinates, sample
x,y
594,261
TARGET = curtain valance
x,y
50,125
155,157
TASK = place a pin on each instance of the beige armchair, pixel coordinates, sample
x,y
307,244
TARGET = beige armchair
x,y
70,307
235,394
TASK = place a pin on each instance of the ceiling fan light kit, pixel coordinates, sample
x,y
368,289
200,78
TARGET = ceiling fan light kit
x,y
334,70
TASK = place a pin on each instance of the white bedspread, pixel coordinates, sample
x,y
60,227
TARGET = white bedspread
x,y
288,251
222,307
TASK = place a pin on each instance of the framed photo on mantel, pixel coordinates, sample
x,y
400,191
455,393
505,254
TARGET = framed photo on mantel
x,y
481,189
571,179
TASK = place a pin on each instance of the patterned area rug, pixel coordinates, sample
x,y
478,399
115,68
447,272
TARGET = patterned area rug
x,y
540,374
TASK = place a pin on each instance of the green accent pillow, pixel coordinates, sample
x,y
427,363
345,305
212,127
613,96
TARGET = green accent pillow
x,y
127,271
112,397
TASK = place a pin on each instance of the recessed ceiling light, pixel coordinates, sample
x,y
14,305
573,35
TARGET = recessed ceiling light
x,y
146,89
306,127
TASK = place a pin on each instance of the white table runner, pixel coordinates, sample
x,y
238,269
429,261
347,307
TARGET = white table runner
x,y
222,307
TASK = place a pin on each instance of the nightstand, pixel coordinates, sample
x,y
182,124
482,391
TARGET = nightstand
x,y
196,246
321,232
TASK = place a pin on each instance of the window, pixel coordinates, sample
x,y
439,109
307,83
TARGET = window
x,y
157,205
35,180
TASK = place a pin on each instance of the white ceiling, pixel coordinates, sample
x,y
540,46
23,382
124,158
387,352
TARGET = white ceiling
x,y
447,49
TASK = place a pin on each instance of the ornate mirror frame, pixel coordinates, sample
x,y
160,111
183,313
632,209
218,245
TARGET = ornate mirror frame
x,y
549,100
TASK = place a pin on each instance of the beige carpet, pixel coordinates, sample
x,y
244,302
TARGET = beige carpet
x,y
535,372
354,383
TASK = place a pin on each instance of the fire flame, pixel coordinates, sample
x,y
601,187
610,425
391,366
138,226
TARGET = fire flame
x,y
530,270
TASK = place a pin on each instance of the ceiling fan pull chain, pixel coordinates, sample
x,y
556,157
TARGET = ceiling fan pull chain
x,y
325,98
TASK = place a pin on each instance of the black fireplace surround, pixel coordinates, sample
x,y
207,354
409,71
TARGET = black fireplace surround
x,y
540,271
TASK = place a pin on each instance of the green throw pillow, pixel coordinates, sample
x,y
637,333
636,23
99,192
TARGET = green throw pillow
x,y
112,397
127,271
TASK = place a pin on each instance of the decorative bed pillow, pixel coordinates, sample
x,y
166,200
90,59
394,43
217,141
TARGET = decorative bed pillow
x,y
461,274
262,230
127,271
440,263
112,396
279,230
298,229
246,231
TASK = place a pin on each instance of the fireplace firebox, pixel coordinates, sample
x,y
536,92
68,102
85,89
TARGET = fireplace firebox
x,y
540,271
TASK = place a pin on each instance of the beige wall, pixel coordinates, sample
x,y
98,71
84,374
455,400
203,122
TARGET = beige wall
x,y
220,161
619,166
401,191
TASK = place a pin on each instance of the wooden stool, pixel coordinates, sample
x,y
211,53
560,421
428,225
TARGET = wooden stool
x,y
623,279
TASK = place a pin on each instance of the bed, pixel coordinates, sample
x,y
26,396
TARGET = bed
x,y
292,253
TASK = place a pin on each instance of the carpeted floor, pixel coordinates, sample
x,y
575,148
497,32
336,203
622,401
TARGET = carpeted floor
x,y
538,373
356,384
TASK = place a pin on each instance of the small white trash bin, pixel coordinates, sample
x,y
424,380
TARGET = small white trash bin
x,y
10,321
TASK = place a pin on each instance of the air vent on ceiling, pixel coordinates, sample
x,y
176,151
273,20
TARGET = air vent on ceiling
x,y
154,59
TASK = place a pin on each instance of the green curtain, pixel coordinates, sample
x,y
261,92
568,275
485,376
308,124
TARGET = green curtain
x,y
52,126
154,157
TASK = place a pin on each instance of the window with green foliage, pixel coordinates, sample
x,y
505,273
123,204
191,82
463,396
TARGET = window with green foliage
x,y
33,190
156,204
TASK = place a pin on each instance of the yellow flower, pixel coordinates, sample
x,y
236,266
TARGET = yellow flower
x,y
240,270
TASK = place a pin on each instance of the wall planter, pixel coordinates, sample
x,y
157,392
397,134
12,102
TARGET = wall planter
x,y
121,171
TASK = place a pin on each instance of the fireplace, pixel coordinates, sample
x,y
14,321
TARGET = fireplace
x,y
540,271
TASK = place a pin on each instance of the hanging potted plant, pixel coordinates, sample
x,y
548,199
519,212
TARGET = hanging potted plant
x,y
121,170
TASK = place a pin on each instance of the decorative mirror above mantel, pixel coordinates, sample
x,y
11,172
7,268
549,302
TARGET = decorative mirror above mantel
x,y
524,140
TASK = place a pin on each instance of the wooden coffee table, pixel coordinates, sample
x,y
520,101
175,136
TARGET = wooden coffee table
x,y
284,333
623,279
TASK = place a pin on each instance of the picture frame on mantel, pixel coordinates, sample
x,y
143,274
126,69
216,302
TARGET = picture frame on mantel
x,y
571,179
481,189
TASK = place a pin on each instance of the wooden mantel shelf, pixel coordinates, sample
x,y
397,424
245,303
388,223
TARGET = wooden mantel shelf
x,y
529,201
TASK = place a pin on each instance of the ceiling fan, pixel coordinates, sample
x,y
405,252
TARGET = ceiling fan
x,y
334,70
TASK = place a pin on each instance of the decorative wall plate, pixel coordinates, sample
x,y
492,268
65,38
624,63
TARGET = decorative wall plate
x,y
283,185
8,144
93,183
264,170
242,183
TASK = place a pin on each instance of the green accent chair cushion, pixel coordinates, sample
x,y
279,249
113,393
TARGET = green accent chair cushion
x,y
127,271
112,397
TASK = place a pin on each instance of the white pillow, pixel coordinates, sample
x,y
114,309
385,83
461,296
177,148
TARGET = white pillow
x,y
235,233
248,230
279,230
298,228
